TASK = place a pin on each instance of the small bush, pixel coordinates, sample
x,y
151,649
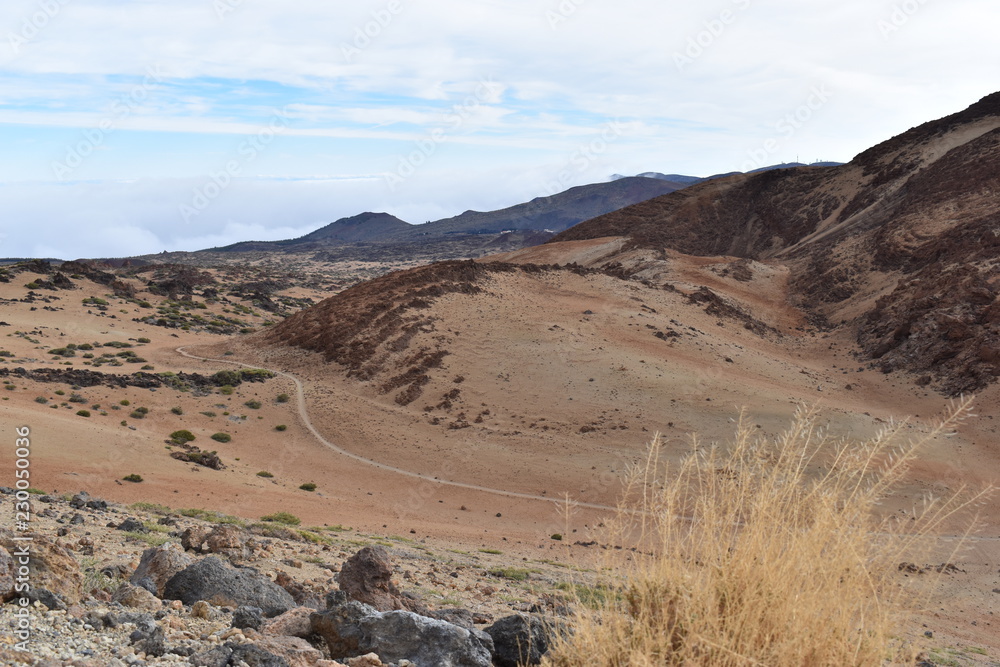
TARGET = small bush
x,y
143,340
226,390
177,411
182,436
221,437
253,405
281,427
133,478
283,518
283,398
41,399
557,536
83,413
137,414
124,401
308,486
77,398
265,474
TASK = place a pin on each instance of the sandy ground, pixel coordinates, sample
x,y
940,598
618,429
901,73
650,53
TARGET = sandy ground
x,y
538,369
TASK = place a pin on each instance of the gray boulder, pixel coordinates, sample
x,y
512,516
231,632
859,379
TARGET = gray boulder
x,y
426,642
339,627
248,617
519,640
223,585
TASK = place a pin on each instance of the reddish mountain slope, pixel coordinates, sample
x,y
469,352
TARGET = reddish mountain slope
x,y
900,244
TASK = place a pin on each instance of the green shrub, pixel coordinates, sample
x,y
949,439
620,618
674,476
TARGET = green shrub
x,y
182,436
283,518
32,285
281,427
226,390
138,414
94,301
143,340
221,437
77,398
253,405
283,398
124,401
41,399
83,413
308,486
177,410
264,473
133,478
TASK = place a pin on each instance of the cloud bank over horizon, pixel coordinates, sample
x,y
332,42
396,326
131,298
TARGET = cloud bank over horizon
x,y
184,124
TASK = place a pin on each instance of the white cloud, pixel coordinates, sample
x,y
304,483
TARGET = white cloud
x,y
367,99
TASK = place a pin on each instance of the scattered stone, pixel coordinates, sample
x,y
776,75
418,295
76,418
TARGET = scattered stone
x,y
193,538
135,597
297,652
293,623
246,617
227,540
302,596
131,525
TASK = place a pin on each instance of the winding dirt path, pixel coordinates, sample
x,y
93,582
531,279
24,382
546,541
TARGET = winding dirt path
x,y
304,416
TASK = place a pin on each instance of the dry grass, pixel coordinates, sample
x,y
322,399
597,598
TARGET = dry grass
x,y
763,553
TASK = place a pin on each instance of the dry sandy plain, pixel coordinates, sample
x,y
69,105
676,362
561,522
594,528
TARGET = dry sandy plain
x,y
563,381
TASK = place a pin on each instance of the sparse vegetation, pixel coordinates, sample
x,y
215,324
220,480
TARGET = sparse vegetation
x,y
281,427
133,478
177,410
83,413
265,474
221,437
308,486
283,398
283,518
253,405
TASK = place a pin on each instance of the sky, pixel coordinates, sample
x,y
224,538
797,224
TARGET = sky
x,y
135,127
